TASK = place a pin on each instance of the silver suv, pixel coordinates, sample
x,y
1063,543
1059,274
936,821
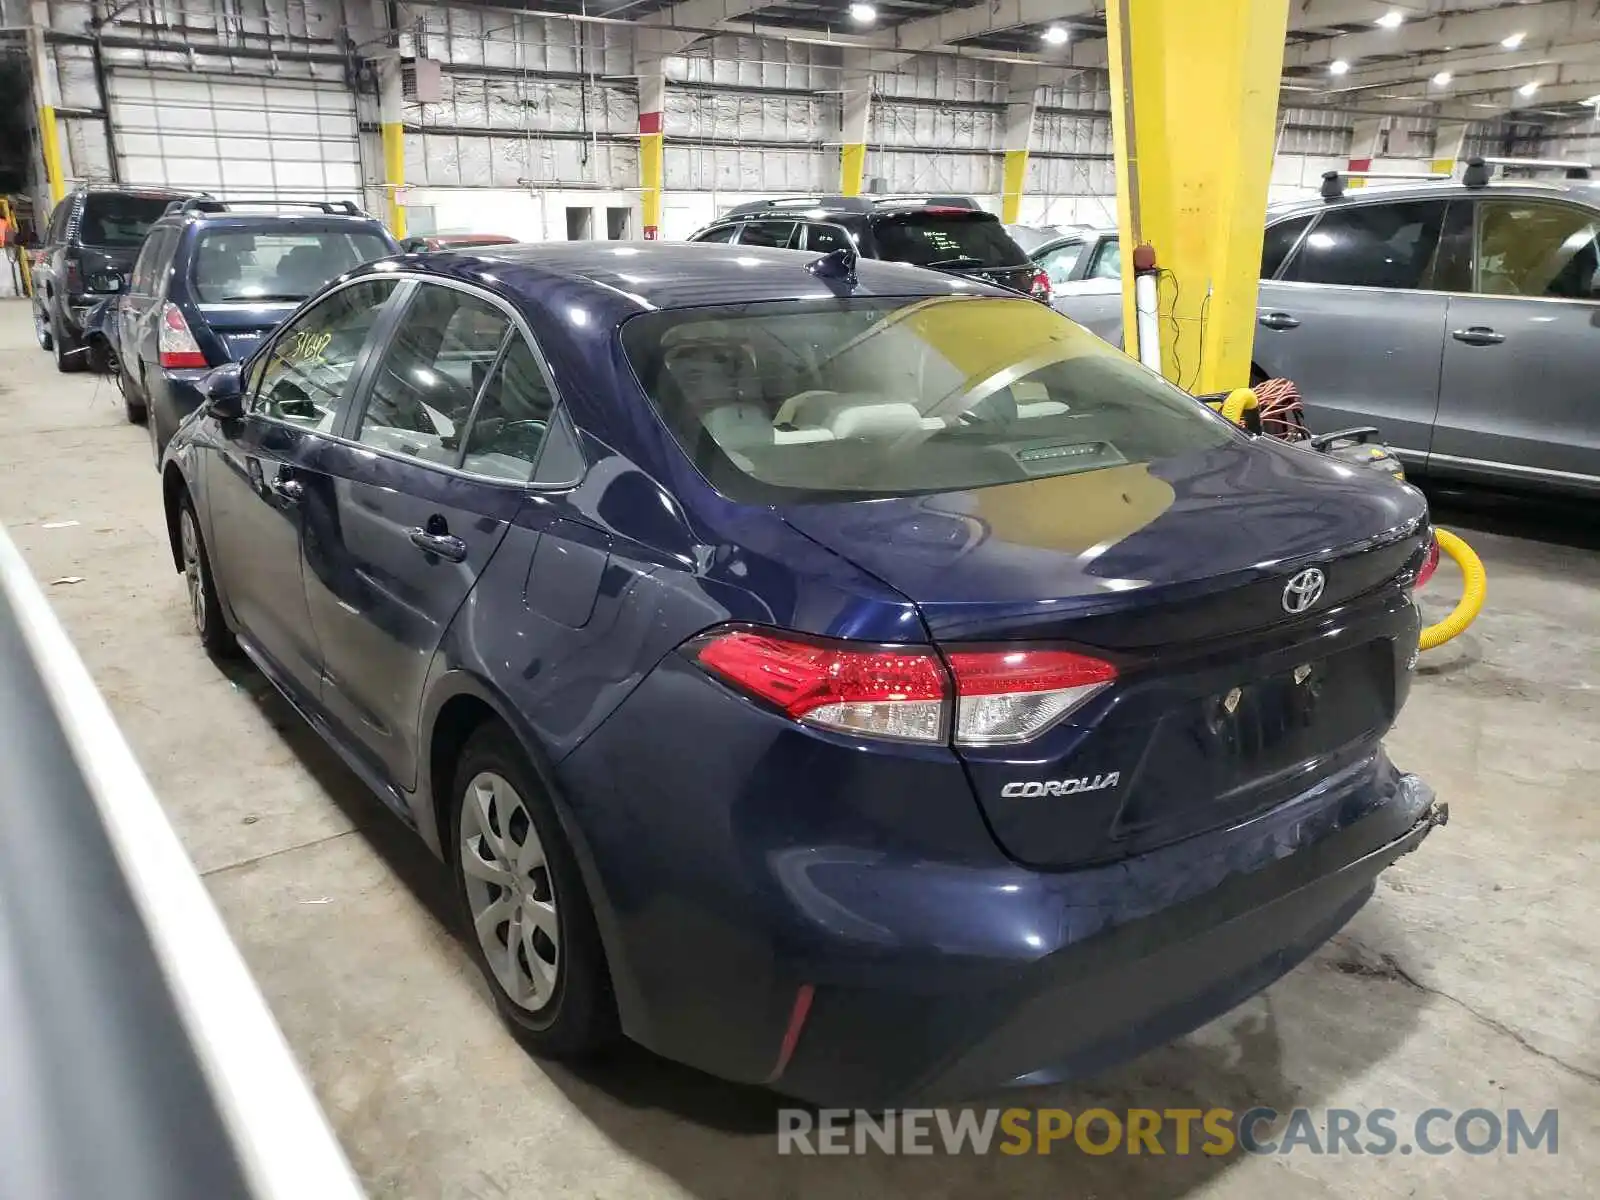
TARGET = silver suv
x,y
1462,321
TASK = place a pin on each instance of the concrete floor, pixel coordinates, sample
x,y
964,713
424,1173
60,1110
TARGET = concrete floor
x,y
1470,981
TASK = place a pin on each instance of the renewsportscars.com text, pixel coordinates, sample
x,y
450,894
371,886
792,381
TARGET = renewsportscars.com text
x,y
1176,1131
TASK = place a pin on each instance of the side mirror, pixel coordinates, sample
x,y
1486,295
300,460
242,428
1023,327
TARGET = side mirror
x,y
223,389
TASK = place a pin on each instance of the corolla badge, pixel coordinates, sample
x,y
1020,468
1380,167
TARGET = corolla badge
x,y
1061,787
1304,590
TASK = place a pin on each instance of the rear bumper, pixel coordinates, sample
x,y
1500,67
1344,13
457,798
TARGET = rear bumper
x,y
1093,1004
740,862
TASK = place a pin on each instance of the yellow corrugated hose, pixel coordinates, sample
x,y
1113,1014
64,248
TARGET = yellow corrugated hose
x,y
1474,585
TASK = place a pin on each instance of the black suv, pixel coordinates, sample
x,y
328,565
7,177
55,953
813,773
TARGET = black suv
x,y
947,233
89,247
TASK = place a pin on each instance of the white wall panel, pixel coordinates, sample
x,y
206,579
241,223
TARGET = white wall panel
x,y
236,137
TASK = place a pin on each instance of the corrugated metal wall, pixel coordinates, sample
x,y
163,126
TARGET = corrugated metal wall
x,y
540,114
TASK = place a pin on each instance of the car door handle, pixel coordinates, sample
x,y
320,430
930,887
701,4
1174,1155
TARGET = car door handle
x,y
1478,335
445,545
288,488
1278,320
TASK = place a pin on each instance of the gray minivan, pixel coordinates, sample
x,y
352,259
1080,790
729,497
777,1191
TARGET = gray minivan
x,y
1462,321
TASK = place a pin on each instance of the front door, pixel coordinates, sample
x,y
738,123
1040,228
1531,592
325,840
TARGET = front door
x,y
1353,321
256,483
400,526
1520,392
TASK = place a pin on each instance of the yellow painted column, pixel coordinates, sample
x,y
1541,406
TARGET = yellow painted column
x,y
391,112
1021,104
1013,176
1195,101
46,96
50,149
857,114
1448,142
652,151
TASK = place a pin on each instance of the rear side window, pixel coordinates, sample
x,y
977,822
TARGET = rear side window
x,y
151,262
1370,245
431,373
1279,241
864,398
512,417
242,265
1058,263
722,233
767,233
1534,248
941,239
827,238
119,221
1107,260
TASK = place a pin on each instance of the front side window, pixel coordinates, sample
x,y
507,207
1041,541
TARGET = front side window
x,y
1534,248
512,417
306,370
767,233
864,398
1059,263
431,373
241,265
1371,245
722,233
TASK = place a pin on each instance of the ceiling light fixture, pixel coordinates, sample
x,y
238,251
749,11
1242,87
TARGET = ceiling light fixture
x,y
1392,19
1442,78
1529,88
1056,35
1338,67
1512,42
863,14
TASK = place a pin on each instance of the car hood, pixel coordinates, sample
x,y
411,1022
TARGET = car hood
x,y
1015,560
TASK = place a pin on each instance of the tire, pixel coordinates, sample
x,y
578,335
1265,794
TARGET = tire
x,y
560,1006
137,413
68,361
205,610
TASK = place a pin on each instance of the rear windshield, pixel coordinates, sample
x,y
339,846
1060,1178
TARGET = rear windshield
x,y
932,239
110,220
866,398
240,265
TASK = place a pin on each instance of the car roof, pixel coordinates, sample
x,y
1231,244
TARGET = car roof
x,y
613,281
255,220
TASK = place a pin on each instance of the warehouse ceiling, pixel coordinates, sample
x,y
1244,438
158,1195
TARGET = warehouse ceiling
x,y
1460,58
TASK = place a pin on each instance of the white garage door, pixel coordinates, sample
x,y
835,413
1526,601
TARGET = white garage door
x,y
236,138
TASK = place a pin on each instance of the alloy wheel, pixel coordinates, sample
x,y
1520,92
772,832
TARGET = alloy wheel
x,y
194,580
510,891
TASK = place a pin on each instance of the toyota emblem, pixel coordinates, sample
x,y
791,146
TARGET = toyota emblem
x,y
1304,590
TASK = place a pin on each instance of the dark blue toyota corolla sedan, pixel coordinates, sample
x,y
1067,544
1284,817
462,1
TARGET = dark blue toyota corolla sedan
x,y
839,676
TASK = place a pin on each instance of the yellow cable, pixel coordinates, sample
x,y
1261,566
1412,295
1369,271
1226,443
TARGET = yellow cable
x,y
1474,585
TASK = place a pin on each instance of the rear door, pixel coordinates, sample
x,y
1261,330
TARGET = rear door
x,y
140,328
1520,394
1353,320
404,513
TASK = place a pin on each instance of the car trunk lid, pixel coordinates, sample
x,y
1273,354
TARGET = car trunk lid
x,y
966,242
1177,573
239,327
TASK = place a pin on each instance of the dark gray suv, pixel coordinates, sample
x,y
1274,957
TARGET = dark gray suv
x,y
1462,321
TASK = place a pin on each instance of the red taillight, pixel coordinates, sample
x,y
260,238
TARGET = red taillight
x,y
1430,564
1041,286
176,345
1001,696
883,691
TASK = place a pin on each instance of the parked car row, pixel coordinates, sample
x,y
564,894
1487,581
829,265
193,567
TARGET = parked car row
x,y
825,672
1463,320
